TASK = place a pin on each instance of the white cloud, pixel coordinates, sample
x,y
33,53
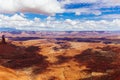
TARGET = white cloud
x,y
77,1
80,11
93,8
109,17
22,23
49,7
37,19
104,2
108,3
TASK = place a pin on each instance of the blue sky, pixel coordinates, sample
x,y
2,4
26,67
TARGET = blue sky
x,y
60,15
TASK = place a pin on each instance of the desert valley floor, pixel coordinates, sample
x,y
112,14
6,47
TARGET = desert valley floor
x,y
50,59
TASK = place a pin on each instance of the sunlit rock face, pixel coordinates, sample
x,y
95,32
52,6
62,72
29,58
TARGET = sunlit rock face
x,y
10,74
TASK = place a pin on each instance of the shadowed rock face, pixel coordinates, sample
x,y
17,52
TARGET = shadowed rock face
x,y
3,41
20,58
62,59
101,61
96,60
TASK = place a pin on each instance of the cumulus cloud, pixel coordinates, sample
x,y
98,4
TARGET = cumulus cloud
x,y
49,7
22,23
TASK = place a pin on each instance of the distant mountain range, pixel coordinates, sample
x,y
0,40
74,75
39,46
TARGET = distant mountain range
x,y
17,30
